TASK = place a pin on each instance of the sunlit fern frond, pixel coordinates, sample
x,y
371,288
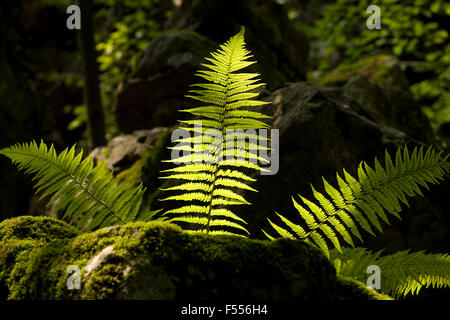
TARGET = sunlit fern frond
x,y
91,196
401,273
363,202
224,141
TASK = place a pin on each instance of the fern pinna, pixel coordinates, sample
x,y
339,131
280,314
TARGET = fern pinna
x,y
402,273
364,202
91,196
212,170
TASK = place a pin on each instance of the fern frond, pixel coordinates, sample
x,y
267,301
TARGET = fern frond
x,y
365,202
402,273
91,196
212,173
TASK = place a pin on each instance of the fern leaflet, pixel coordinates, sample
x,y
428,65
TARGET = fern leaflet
x,y
402,273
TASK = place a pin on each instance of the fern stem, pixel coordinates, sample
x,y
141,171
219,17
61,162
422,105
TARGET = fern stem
x,y
222,126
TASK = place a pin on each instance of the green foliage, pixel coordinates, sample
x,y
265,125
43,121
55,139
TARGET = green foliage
x,y
402,272
134,24
91,196
414,31
365,202
208,186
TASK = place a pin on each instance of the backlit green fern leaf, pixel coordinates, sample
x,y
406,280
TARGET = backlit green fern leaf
x,y
401,273
90,196
212,169
364,202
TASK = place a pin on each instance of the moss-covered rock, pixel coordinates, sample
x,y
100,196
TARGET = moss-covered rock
x,y
21,239
383,69
351,289
157,260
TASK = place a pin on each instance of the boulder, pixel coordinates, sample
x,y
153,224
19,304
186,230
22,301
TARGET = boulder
x,y
155,93
157,261
124,150
280,48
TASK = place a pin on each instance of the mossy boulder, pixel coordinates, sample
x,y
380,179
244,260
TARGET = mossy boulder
x,y
351,289
21,240
158,260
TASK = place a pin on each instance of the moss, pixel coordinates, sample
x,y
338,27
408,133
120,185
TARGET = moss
x,y
378,68
351,289
21,240
133,175
157,260
105,152
36,228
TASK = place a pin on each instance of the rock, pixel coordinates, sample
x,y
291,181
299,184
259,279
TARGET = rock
x,y
281,49
155,93
444,129
136,158
20,238
444,133
158,260
390,106
352,289
173,50
123,151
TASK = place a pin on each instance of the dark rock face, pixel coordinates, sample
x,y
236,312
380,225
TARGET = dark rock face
x,y
155,93
281,50
322,130
390,106
160,261
153,96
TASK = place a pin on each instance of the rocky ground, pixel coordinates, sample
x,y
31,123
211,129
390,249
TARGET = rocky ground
x,y
159,261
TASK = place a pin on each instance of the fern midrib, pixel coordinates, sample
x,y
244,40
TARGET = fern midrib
x,y
73,179
223,114
364,195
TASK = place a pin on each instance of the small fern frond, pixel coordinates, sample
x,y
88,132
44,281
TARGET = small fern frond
x,y
213,172
401,273
91,196
365,202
